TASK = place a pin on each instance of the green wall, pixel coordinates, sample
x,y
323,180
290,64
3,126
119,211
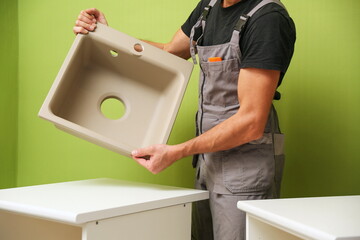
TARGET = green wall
x,y
8,92
319,110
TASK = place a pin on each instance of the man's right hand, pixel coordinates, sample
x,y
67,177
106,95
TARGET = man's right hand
x,y
87,19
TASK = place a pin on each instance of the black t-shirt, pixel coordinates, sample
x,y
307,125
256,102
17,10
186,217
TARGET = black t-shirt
x,y
267,41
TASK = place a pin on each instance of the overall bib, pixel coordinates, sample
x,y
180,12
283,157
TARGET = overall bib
x,y
252,169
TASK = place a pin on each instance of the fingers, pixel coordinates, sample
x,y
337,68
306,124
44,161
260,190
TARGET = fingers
x,y
81,30
141,154
100,17
157,157
146,159
87,19
84,23
93,11
154,158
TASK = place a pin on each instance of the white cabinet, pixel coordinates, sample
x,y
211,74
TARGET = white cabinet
x,y
99,209
325,218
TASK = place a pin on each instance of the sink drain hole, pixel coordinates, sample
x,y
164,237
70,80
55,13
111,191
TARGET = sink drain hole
x,y
112,108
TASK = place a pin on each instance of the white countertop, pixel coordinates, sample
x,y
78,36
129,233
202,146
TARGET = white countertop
x,y
89,200
315,218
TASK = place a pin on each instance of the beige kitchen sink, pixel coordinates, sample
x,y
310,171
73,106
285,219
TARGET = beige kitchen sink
x,y
147,83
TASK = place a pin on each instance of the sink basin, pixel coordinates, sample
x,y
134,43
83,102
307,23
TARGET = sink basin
x,y
107,64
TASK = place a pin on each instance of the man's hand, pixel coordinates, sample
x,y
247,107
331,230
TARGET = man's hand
x,y
86,21
157,157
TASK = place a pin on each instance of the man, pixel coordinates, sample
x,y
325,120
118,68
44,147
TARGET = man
x,y
244,49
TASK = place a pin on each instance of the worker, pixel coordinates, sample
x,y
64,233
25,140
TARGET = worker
x,y
244,48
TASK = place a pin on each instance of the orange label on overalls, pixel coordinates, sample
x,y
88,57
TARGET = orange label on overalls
x,y
215,59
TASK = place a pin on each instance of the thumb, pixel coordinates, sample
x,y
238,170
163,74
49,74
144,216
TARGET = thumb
x,y
141,153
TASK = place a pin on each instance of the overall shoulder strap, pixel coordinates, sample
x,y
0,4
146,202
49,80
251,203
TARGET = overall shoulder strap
x,y
200,22
263,3
207,9
244,18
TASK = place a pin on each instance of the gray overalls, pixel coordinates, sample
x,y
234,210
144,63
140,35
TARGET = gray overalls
x,y
253,169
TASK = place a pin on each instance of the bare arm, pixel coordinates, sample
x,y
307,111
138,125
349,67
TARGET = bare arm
x,y
179,45
256,89
86,22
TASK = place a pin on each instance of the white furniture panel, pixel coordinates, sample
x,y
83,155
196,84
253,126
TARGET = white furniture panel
x,y
163,223
327,218
97,209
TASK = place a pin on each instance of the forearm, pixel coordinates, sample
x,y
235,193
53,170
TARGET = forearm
x,y
155,44
179,45
237,130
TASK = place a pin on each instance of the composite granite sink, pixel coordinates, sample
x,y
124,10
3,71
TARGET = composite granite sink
x,y
106,64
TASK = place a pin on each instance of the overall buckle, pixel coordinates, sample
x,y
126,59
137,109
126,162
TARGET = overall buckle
x,y
241,22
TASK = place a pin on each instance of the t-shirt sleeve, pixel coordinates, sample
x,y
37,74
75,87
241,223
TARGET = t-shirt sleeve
x,y
194,16
269,42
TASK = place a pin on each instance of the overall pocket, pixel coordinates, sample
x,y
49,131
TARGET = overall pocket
x,y
220,88
248,168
